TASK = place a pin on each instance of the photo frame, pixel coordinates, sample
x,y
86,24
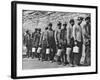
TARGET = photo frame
x,y
19,11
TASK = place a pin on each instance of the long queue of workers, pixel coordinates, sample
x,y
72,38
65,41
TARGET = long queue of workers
x,y
68,44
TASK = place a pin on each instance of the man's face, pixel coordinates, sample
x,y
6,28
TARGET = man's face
x,y
37,31
64,27
59,26
27,32
87,21
49,27
72,23
79,21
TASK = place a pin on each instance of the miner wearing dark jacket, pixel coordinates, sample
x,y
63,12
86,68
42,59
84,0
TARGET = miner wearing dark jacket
x,y
36,40
28,43
64,44
44,43
33,42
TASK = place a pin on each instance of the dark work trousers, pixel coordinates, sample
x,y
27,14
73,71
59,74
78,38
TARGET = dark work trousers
x,y
43,52
52,46
34,54
77,56
52,53
70,45
47,57
29,51
39,55
29,48
64,56
76,59
71,56
88,55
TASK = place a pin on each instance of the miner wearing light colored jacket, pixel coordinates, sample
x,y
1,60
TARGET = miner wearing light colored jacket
x,y
58,40
78,40
70,40
86,27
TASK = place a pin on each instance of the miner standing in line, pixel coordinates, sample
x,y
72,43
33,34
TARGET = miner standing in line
x,y
51,42
78,40
33,42
70,41
44,43
28,43
36,41
87,40
58,42
64,44
39,46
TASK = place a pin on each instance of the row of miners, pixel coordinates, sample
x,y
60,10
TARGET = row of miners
x,y
68,44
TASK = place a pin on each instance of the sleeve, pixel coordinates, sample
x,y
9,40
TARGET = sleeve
x,y
83,29
41,37
74,32
86,35
34,38
68,33
47,37
81,34
55,35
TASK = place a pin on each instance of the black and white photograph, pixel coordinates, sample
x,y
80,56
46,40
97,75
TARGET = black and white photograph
x,y
56,39
53,39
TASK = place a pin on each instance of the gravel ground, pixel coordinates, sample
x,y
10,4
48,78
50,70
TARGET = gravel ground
x,y
29,63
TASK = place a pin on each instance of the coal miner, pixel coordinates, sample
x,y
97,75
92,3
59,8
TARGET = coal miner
x,y
70,41
38,50
58,42
86,40
28,43
44,43
36,40
78,41
51,42
64,43
33,42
